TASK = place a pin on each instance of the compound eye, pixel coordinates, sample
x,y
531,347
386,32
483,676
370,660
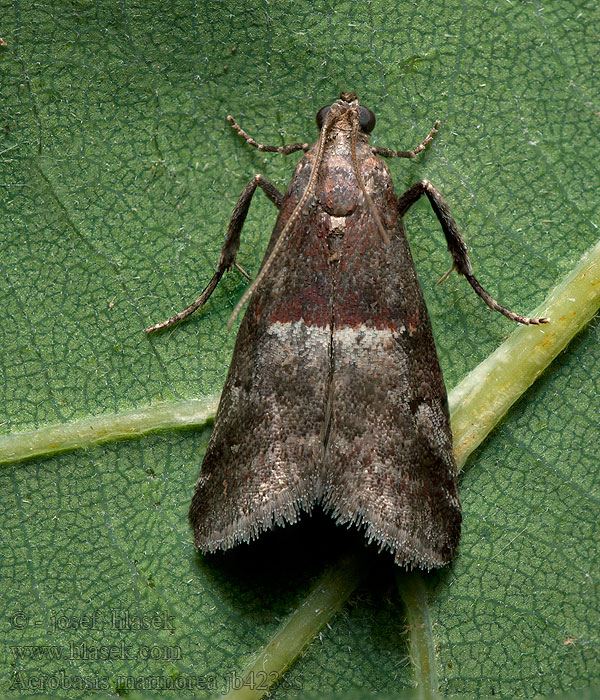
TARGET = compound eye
x,y
321,114
366,120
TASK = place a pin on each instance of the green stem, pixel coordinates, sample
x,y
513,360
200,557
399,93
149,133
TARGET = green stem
x,y
321,604
421,641
113,426
482,398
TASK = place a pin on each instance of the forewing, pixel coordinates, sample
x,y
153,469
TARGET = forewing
x,y
262,462
388,466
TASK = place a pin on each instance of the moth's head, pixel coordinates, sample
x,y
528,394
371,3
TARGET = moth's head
x,y
344,110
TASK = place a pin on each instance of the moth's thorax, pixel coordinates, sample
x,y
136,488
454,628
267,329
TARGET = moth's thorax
x,y
340,136
339,193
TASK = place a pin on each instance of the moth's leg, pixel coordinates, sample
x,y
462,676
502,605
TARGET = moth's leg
x,y
284,150
456,246
230,247
390,153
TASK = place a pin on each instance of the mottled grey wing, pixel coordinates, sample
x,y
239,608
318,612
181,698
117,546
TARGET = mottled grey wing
x,y
262,462
389,466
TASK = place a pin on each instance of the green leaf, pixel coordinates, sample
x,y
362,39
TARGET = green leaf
x,y
119,173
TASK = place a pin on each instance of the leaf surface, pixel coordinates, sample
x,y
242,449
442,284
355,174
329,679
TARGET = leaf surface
x,y
119,174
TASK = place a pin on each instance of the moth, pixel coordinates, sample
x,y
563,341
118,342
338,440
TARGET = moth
x,y
335,395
